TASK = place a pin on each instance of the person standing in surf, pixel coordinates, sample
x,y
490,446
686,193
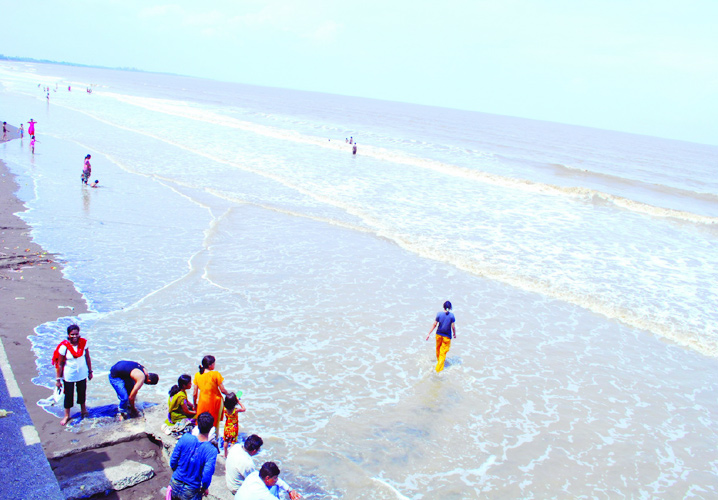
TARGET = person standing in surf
x,y
446,322
86,170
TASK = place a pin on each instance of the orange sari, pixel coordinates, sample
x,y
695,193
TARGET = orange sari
x,y
210,397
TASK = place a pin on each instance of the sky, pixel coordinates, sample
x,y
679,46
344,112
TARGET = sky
x,y
648,67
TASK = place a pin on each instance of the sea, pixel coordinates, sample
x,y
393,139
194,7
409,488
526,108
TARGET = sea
x,y
235,220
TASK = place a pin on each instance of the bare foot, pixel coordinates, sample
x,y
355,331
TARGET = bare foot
x,y
64,421
85,414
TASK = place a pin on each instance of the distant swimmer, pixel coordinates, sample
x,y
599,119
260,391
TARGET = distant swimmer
x,y
94,184
446,322
354,149
31,128
351,140
86,170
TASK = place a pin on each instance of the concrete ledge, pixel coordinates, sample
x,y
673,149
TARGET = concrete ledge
x,y
116,478
24,468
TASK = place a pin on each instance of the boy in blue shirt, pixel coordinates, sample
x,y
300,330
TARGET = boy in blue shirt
x,y
193,461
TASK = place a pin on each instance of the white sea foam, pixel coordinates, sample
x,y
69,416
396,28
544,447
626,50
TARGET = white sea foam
x,y
314,275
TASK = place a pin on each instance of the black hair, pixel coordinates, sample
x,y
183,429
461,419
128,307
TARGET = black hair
x,y
253,443
207,361
71,328
447,306
182,381
269,469
205,422
152,378
230,402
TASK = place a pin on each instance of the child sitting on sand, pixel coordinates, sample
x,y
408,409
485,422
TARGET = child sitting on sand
x,y
232,406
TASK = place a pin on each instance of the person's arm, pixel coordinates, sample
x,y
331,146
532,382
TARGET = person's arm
x,y
195,393
432,329
208,470
89,364
59,370
222,389
453,328
176,453
186,410
240,406
293,494
139,377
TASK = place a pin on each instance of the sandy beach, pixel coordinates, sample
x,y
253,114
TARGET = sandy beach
x,y
35,291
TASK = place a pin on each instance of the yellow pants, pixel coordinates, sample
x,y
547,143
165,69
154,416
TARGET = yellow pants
x,y
443,345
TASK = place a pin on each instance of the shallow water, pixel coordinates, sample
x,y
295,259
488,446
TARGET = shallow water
x,y
581,264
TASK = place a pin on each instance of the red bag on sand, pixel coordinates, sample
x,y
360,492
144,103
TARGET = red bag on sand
x,y
75,352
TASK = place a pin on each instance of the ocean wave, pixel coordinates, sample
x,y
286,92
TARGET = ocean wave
x,y
660,323
583,194
635,183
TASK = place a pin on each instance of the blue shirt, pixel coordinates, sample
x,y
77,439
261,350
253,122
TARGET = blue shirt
x,y
444,321
123,369
193,462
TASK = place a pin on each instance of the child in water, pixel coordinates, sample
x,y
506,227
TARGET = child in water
x,y
22,131
94,184
32,144
233,407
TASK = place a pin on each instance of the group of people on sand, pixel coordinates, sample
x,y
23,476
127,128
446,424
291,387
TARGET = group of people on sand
x,y
21,131
193,459
196,423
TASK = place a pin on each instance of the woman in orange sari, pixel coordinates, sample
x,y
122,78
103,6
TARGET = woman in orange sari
x,y
208,383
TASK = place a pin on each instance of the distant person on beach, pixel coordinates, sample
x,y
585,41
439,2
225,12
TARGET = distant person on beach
x,y
351,140
240,465
31,128
22,131
32,144
127,378
354,149
208,390
4,130
446,322
232,408
179,408
86,170
94,184
259,484
193,461
73,368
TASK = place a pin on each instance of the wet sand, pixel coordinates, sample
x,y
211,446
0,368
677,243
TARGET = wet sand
x,y
35,291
